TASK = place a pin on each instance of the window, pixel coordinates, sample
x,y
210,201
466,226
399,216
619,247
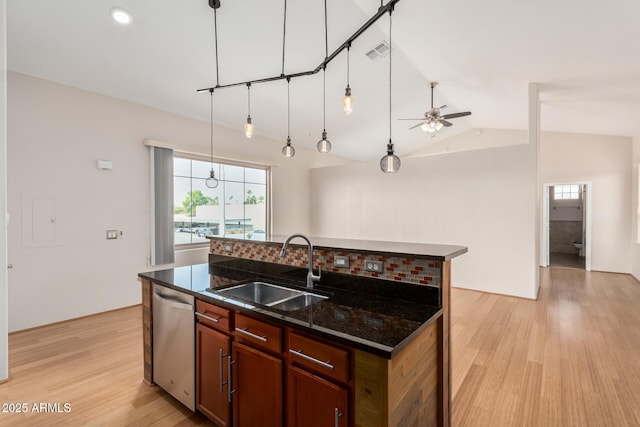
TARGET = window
x,y
237,208
566,192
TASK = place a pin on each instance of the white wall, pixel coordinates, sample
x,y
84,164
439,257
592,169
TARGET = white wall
x,y
4,304
603,161
635,210
55,135
482,199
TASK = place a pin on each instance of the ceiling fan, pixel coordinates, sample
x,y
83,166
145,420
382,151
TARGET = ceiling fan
x,y
433,121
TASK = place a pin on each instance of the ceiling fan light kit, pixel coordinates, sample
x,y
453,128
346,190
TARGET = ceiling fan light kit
x,y
392,161
433,121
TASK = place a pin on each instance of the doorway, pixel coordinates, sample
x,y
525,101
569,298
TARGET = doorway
x,y
566,228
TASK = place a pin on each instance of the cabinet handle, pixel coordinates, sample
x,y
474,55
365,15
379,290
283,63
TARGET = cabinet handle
x,y
262,338
213,319
229,382
338,415
220,365
299,353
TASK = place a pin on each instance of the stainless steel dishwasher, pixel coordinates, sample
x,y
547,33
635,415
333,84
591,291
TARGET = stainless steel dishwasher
x,y
173,344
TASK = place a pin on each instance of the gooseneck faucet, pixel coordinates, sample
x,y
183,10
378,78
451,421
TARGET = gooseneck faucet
x,y
310,276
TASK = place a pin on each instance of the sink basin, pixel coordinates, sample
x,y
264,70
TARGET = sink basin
x,y
271,295
260,292
298,302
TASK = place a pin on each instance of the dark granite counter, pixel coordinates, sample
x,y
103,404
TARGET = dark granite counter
x,y
418,250
376,316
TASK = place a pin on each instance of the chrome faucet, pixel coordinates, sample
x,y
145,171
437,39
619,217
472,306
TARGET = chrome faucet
x,y
310,276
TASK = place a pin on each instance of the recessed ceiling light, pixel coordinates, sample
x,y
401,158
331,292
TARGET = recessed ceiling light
x,y
121,16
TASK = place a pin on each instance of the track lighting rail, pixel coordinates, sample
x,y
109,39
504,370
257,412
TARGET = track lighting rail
x,y
387,8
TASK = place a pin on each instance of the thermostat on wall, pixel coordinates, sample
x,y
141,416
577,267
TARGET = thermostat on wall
x,y
105,164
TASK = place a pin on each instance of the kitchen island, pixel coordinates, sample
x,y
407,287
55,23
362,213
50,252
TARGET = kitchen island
x,y
385,307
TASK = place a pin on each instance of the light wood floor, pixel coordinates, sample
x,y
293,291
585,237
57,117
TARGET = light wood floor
x,y
95,365
571,358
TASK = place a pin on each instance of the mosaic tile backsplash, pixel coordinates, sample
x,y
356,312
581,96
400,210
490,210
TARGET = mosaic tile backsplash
x,y
399,268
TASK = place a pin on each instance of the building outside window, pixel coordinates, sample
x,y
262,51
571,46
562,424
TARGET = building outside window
x,y
237,208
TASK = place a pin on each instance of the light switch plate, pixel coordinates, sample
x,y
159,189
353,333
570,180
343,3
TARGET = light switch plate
x,y
341,261
228,247
374,266
112,234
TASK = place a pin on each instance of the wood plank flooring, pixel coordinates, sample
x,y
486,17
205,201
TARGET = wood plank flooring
x,y
571,358
95,365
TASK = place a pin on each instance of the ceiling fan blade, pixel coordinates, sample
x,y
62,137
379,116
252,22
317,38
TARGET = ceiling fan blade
x,y
415,126
446,123
442,106
421,118
455,115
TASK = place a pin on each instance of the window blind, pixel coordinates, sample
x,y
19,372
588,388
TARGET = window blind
x,y
162,234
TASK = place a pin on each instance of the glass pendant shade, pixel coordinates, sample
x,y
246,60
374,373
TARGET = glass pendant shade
x,y
248,128
439,125
288,150
390,163
324,145
347,101
212,181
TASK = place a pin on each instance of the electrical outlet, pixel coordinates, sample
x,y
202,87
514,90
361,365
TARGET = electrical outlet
x,y
374,266
341,261
228,247
112,234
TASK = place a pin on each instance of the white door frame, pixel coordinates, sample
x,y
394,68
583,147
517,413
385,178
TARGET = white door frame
x,y
544,229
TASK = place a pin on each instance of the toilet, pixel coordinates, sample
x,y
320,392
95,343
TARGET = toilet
x,y
578,246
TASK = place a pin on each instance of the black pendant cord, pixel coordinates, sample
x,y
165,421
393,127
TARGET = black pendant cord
x,y
326,37
215,30
284,34
249,100
348,62
324,100
211,134
288,111
390,52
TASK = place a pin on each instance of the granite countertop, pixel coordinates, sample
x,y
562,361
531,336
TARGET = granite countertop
x,y
373,315
417,250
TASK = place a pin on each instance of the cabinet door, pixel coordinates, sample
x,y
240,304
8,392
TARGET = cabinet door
x,y
257,385
313,401
212,374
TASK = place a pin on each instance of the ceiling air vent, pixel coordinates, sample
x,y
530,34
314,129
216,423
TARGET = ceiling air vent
x,y
378,52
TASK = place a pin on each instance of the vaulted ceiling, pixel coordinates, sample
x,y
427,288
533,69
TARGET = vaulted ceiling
x,y
584,54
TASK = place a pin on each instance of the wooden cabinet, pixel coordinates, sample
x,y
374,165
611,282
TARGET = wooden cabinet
x,y
213,353
212,388
315,402
258,391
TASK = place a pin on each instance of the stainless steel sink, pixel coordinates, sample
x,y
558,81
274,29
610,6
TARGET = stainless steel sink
x,y
298,302
271,295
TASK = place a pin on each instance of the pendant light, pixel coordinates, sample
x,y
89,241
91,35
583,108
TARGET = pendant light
x,y
390,163
288,150
248,127
212,181
347,101
324,145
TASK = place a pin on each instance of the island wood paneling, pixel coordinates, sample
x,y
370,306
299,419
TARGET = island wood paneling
x,y
402,391
147,328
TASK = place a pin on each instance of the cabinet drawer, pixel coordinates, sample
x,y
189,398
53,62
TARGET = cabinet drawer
x,y
319,357
213,316
258,333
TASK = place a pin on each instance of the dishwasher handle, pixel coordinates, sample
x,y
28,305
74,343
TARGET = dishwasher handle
x,y
172,302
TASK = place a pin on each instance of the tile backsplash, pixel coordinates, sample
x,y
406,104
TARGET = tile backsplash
x,y
399,268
